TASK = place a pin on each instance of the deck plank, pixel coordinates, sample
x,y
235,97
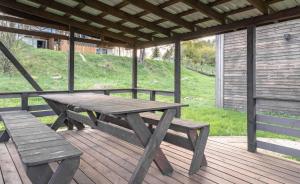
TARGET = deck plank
x,y
261,158
130,157
137,151
1,177
16,159
8,168
108,160
293,176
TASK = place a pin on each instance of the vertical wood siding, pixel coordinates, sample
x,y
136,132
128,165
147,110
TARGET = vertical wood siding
x,y
278,68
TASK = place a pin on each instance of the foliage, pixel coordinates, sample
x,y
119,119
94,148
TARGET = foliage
x,y
11,42
155,53
198,54
169,54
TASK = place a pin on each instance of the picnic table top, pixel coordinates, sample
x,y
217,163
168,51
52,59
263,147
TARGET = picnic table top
x,y
110,104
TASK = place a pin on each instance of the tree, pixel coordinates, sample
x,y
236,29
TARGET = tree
x,y
198,54
142,55
156,53
10,41
169,54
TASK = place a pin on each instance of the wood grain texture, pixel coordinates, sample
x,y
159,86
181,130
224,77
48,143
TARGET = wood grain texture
x,y
104,104
108,160
277,68
42,145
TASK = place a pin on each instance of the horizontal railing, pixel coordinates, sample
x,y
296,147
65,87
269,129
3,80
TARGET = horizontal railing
x,y
278,125
44,110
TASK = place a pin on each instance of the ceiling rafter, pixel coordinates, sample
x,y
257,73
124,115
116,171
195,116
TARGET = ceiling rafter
x,y
120,14
162,13
282,15
205,9
31,22
168,3
260,5
239,10
91,18
24,18
58,36
122,4
35,11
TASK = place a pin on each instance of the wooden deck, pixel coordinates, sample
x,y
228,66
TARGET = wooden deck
x,y
110,160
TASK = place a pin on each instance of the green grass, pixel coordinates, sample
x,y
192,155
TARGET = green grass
x,y
49,68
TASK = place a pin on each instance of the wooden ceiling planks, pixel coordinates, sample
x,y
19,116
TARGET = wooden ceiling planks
x,y
133,35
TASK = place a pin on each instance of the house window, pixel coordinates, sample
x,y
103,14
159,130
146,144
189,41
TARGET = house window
x,y
101,51
41,44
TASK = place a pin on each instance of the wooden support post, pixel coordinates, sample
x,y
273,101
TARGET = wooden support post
x,y
152,95
251,88
177,76
24,101
134,73
19,67
71,61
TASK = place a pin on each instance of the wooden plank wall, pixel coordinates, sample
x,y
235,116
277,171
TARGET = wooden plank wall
x,y
278,68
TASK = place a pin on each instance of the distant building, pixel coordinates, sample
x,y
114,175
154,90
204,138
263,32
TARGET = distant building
x,y
63,45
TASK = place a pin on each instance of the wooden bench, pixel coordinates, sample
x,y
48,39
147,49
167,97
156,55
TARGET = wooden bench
x,y
38,146
197,134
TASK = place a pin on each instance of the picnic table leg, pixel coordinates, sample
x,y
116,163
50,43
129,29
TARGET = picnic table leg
x,y
152,145
60,110
198,142
4,137
59,121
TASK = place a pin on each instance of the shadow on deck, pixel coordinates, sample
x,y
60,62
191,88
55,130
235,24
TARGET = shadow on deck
x,y
107,159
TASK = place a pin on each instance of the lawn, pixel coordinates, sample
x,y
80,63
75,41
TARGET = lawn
x,y
49,69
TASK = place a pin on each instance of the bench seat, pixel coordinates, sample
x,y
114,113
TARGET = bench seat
x,y
177,124
38,145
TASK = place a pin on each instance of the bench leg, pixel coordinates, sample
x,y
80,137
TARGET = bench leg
x,y
65,171
43,174
4,137
40,174
199,143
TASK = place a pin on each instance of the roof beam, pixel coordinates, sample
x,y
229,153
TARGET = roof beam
x,y
260,5
19,14
32,22
131,18
24,18
35,11
76,11
57,36
283,15
162,13
168,3
205,9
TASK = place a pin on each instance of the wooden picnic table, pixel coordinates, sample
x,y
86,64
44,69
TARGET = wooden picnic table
x,y
129,109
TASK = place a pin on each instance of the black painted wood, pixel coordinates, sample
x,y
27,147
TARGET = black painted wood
x,y
134,73
177,76
278,149
251,106
293,123
71,60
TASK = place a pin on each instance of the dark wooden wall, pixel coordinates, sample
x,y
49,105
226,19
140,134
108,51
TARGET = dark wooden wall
x,y
277,64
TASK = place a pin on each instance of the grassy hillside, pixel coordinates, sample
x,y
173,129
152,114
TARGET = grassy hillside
x,y
92,71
